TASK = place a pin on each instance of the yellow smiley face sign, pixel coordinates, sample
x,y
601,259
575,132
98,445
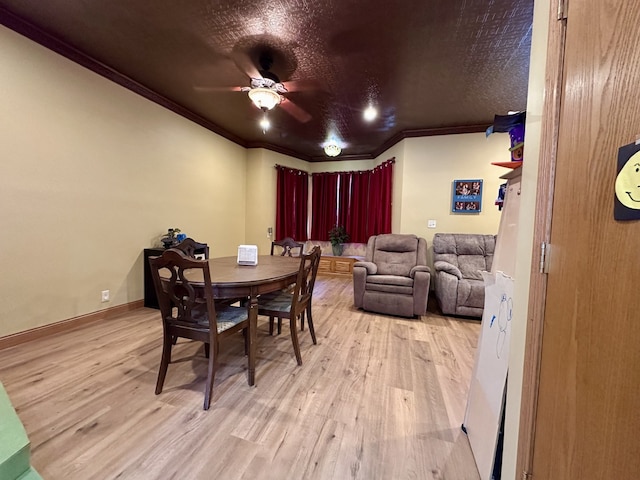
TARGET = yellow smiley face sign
x,y
627,184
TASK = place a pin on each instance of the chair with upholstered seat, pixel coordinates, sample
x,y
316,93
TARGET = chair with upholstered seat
x,y
394,278
287,245
459,259
188,311
293,305
193,249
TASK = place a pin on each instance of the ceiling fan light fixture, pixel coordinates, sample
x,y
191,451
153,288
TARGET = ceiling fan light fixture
x,y
264,98
332,149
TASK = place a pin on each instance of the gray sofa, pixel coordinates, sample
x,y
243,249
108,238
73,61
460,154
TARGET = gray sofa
x,y
458,260
394,278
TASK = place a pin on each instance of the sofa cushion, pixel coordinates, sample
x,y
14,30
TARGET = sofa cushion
x,y
395,254
397,243
476,250
396,289
471,293
471,265
390,280
389,284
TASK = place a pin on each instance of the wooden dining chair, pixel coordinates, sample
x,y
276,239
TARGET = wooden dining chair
x,y
292,305
287,244
188,311
190,247
286,247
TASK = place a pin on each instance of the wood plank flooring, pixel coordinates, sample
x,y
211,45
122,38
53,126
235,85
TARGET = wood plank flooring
x,y
379,397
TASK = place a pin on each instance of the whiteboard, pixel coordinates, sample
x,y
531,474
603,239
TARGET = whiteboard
x,y
504,256
488,381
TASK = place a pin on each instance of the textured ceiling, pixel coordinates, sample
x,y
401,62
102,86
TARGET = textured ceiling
x,y
429,66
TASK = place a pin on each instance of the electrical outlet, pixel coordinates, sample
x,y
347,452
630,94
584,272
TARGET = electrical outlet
x,y
431,224
105,295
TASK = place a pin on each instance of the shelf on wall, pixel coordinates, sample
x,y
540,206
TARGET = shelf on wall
x,y
508,164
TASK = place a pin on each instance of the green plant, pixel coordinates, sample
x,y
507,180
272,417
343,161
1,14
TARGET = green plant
x,y
338,235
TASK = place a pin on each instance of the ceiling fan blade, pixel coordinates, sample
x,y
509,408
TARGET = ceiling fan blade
x,y
199,88
301,85
245,64
295,111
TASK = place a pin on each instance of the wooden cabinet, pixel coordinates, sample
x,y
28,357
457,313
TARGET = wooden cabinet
x,y
150,298
337,265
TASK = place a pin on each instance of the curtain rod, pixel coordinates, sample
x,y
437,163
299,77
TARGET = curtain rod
x,y
277,166
391,161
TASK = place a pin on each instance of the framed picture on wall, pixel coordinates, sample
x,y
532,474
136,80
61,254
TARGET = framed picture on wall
x,y
466,196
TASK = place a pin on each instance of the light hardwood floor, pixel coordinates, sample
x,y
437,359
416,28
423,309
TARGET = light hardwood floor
x,y
379,397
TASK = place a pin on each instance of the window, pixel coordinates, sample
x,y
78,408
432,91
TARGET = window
x,y
359,201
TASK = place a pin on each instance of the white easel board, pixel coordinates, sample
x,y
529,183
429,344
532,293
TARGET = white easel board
x,y
504,256
486,392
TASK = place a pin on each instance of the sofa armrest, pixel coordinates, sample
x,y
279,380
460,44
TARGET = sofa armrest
x,y
419,268
371,267
421,291
441,266
359,282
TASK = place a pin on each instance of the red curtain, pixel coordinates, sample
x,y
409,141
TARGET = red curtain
x,y
324,200
359,205
359,201
380,199
344,198
292,203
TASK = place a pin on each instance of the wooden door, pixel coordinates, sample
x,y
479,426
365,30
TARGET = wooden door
x,y
588,413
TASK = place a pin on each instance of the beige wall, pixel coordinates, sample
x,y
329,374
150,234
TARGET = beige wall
x,y
428,167
92,174
524,258
261,194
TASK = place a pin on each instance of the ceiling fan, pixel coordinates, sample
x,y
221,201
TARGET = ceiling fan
x,y
266,90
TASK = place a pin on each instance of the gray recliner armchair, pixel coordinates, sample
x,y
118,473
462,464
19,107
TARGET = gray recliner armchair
x,y
458,259
394,278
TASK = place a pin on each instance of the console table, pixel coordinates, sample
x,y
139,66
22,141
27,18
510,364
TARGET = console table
x,y
150,298
331,265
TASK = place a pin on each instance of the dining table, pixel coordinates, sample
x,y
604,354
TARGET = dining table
x,y
232,281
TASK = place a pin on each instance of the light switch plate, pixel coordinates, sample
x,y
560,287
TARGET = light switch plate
x,y
431,224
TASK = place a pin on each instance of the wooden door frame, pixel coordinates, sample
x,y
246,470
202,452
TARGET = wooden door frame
x,y
541,234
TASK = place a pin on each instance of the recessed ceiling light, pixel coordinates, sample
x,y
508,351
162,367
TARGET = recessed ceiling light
x,y
370,113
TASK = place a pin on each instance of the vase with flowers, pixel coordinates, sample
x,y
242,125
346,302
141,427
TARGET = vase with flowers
x,y
338,236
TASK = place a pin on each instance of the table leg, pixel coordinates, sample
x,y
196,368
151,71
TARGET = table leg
x,y
253,327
